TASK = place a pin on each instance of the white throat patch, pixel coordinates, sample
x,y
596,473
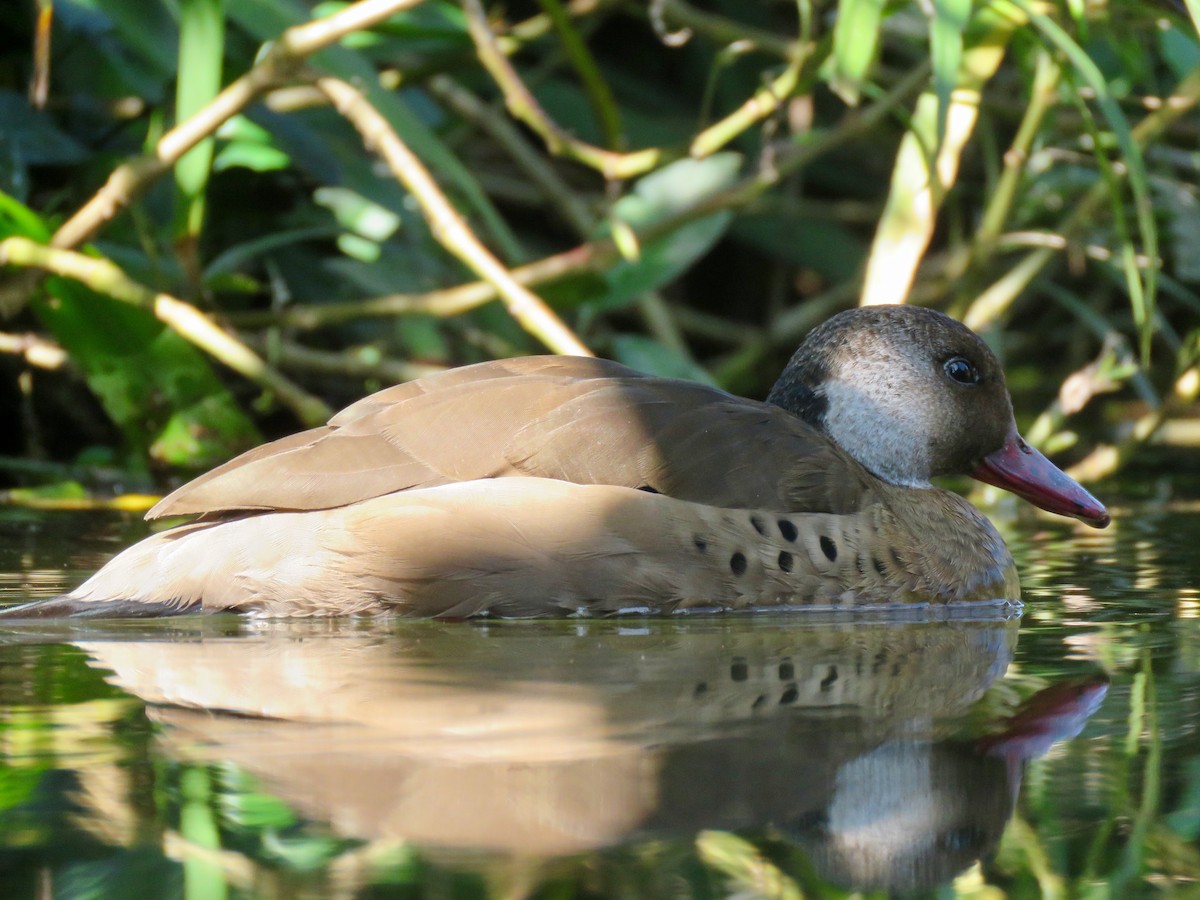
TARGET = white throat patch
x,y
862,419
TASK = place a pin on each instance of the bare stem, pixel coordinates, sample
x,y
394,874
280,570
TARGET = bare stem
x,y
36,350
522,104
444,221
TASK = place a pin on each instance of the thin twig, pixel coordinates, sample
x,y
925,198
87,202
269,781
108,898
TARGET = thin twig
x,y
574,210
444,221
363,362
765,101
522,104
36,350
183,318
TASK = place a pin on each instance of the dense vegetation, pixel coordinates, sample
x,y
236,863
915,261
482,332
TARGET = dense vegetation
x,y
332,198
310,211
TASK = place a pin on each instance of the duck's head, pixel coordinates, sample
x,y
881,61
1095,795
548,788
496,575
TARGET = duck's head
x,y
911,393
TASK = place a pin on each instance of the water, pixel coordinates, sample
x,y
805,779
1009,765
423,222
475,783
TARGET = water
x,y
743,755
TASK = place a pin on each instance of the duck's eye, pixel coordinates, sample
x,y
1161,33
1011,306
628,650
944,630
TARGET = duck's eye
x,y
961,370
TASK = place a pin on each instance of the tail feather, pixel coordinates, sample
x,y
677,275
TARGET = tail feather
x,y
66,606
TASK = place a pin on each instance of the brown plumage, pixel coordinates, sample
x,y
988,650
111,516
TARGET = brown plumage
x,y
556,484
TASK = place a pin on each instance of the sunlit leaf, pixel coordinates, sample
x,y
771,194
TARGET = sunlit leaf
x,y
648,355
855,46
656,196
946,49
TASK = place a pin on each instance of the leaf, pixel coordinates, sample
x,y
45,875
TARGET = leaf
x,y
946,49
672,189
29,135
648,355
201,51
250,146
158,389
855,45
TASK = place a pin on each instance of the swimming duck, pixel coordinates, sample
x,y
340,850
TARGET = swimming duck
x,y
552,485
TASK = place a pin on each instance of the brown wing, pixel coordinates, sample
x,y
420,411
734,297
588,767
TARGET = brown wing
x,y
575,419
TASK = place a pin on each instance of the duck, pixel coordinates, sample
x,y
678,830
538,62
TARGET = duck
x,y
555,485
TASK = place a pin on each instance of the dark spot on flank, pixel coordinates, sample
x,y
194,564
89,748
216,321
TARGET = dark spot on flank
x,y
861,566
828,681
787,529
786,561
829,548
701,689
701,543
737,563
786,670
759,701
759,525
879,662
789,696
649,490
739,671
879,566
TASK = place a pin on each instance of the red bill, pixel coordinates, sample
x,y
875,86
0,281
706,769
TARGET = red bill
x,y
1019,468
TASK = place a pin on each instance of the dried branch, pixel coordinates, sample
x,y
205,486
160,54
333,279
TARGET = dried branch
x,y
445,222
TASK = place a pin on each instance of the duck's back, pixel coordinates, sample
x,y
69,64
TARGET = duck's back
x,y
574,419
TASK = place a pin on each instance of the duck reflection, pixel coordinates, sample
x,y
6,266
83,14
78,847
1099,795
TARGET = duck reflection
x,y
543,740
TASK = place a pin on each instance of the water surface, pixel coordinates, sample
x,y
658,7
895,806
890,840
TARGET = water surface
x,y
749,755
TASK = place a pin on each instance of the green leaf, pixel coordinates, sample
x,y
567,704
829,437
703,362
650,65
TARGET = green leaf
x,y
855,45
648,355
671,189
155,386
201,52
250,146
29,137
946,31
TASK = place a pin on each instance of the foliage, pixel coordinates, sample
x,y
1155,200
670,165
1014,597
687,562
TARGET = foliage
x,y
685,189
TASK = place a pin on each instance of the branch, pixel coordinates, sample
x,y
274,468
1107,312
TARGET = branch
x,y
523,106
445,223
595,255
